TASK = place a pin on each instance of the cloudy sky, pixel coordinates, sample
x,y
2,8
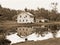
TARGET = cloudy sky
x,y
30,4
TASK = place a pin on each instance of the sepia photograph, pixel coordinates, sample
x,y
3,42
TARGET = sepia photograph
x,y
29,22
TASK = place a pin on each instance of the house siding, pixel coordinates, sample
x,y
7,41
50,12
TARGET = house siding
x,y
24,31
25,18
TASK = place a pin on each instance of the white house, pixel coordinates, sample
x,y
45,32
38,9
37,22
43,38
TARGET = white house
x,y
25,17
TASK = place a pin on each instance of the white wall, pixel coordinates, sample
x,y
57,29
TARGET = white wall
x,y
30,19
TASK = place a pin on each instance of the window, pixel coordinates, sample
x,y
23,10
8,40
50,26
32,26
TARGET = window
x,y
23,20
30,26
24,32
20,16
23,29
19,29
25,16
26,29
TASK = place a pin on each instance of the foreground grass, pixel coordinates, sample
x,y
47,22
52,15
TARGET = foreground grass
x,y
44,42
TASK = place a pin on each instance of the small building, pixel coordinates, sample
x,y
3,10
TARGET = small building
x,y
25,31
41,19
25,17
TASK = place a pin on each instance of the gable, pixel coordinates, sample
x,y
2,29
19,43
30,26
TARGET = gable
x,y
26,13
23,13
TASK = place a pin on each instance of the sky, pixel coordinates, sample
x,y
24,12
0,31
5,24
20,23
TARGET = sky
x,y
30,4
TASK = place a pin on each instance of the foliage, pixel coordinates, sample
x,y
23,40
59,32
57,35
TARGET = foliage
x,y
8,14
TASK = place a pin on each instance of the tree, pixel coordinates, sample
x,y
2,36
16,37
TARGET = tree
x,y
41,31
53,29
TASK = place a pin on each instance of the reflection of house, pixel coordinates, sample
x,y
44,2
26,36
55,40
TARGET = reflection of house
x,y
41,19
25,17
24,31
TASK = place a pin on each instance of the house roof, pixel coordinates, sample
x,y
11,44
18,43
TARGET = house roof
x,y
31,15
26,13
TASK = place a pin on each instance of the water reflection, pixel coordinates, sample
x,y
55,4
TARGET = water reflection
x,y
25,31
14,38
35,33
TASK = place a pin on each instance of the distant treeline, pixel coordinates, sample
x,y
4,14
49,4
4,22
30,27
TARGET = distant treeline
x,y
8,14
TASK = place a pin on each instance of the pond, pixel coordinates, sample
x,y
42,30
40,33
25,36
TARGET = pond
x,y
14,38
